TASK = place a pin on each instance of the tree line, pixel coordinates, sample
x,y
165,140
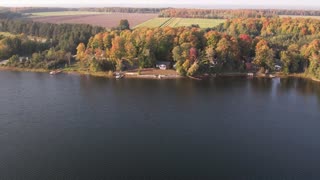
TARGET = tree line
x,y
103,9
24,52
263,42
237,45
184,13
48,45
39,9
234,13
6,14
124,10
60,36
20,44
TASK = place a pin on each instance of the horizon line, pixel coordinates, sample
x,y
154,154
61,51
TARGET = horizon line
x,y
171,5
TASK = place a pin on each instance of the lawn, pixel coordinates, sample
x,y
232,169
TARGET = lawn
x,y
153,23
179,22
203,23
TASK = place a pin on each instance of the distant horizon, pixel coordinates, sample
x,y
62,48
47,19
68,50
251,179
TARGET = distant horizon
x,y
169,6
205,4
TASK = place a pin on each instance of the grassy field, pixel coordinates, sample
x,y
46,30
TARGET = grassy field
x,y
6,34
65,13
152,23
178,22
292,16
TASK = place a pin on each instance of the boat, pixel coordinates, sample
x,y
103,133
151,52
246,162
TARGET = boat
x,y
119,75
55,72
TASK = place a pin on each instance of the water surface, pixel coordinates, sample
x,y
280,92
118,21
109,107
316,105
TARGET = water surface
x,y
81,127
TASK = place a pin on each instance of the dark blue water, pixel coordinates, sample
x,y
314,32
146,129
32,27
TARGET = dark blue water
x,y
81,127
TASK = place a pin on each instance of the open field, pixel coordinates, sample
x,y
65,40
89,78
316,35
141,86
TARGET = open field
x,y
64,13
6,34
153,23
292,16
178,22
105,20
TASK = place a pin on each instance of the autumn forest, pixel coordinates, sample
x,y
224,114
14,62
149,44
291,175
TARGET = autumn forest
x,y
252,43
265,42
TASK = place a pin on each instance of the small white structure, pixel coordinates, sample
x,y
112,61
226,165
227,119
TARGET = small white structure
x,y
23,59
119,75
163,67
277,68
55,72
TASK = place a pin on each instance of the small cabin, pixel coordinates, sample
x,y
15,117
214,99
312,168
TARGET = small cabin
x,y
277,68
23,59
163,65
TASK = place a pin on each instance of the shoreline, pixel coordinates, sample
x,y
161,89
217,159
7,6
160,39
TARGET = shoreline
x,y
304,76
94,74
4,68
154,76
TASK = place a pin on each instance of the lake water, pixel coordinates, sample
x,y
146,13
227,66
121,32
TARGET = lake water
x,y
81,127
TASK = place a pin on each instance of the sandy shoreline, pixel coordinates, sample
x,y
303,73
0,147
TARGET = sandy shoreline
x,y
129,75
135,75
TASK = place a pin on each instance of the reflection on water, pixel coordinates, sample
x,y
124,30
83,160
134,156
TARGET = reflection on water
x,y
82,127
304,87
262,84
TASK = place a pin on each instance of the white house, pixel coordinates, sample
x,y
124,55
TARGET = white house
x,y
163,65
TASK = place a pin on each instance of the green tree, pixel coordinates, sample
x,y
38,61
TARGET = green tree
x,y
13,60
176,54
193,69
68,58
36,58
124,24
264,55
291,59
314,67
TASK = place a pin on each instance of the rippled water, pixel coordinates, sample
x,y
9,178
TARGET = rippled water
x,y
81,127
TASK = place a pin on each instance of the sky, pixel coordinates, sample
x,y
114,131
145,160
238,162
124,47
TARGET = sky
x,y
314,4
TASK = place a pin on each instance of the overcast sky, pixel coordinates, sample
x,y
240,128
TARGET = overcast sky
x,y
183,3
